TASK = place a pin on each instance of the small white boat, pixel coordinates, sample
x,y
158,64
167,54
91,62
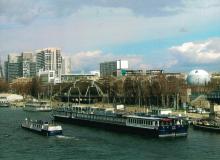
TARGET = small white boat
x,y
41,127
4,102
37,106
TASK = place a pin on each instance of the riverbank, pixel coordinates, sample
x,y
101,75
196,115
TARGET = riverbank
x,y
128,108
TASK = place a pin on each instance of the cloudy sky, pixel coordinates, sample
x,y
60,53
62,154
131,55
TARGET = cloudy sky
x,y
175,35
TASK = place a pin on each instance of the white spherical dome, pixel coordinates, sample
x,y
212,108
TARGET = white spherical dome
x,y
198,77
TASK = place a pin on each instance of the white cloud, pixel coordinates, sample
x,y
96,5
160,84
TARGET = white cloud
x,y
203,52
90,60
19,11
95,27
25,11
89,24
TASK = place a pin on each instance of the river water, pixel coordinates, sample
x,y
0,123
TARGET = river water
x,y
82,143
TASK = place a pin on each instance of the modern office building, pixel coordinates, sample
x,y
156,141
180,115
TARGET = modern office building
x,y
22,65
113,68
48,77
45,62
13,67
28,64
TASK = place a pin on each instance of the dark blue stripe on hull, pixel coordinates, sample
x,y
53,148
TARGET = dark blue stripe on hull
x,y
169,130
109,126
51,133
44,132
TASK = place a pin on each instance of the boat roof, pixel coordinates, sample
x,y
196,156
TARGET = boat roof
x,y
141,117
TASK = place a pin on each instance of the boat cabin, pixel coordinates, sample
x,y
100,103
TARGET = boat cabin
x,y
143,122
139,121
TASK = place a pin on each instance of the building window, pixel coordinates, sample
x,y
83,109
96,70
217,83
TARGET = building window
x,y
51,74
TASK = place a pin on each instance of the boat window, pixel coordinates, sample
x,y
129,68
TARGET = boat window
x,y
153,123
140,121
177,122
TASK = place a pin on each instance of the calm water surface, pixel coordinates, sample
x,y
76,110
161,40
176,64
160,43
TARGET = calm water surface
x,y
82,143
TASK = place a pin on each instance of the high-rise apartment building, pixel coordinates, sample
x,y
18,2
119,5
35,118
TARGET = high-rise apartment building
x,y
49,59
113,68
66,65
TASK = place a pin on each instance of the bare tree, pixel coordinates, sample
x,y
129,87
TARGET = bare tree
x,y
4,86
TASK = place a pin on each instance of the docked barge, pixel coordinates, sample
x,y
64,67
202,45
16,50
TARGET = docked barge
x,y
41,127
37,106
207,125
148,125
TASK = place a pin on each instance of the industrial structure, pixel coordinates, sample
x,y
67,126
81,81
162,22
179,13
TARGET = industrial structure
x,y
198,77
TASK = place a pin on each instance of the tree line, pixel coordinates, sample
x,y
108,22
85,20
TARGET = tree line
x,y
156,90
